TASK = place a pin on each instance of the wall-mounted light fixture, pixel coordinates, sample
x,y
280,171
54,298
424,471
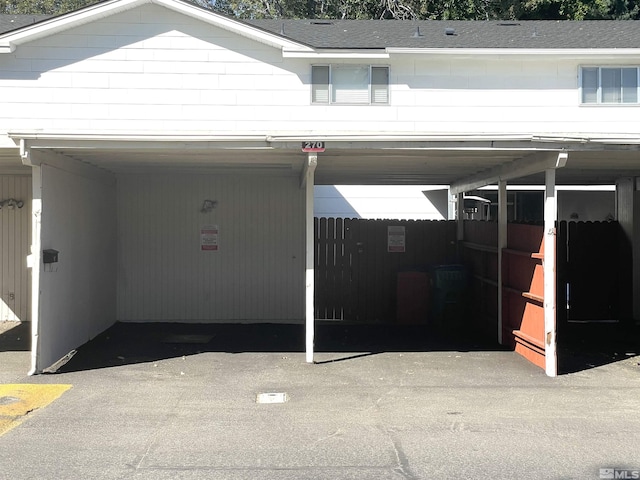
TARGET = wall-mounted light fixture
x,y
208,205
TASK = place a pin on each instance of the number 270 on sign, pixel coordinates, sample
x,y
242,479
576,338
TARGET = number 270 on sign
x,y
313,146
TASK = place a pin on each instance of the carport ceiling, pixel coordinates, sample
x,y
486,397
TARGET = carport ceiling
x,y
360,165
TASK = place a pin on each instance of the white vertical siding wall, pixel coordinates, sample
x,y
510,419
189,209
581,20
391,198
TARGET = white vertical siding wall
x,y
153,70
15,239
590,206
256,275
78,293
407,202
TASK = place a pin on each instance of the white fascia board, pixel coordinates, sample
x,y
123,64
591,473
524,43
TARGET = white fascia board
x,y
350,137
336,54
578,53
39,139
159,137
469,141
232,25
373,138
10,40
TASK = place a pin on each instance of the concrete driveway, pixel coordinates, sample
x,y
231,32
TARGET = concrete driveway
x,y
179,402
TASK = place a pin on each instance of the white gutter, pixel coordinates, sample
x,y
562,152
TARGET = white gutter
x,y
492,139
336,54
396,138
142,137
555,52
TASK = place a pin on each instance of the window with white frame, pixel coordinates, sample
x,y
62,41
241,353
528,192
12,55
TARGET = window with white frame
x,y
350,84
610,85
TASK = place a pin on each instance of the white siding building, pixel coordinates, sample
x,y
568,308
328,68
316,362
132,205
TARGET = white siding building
x,y
129,115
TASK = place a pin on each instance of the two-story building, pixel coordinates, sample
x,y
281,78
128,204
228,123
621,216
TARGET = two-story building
x,y
166,155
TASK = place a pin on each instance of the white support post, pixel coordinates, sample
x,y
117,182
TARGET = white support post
x,y
309,173
460,217
549,265
34,259
502,243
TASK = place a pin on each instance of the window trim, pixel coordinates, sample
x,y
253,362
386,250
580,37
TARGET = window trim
x,y
599,93
370,91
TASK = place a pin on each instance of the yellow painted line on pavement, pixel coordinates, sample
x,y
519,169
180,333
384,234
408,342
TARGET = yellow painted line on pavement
x,y
18,400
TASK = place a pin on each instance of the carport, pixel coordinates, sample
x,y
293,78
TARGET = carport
x,y
81,187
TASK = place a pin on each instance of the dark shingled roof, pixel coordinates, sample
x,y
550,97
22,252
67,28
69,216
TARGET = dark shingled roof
x,y
379,34
535,34
13,22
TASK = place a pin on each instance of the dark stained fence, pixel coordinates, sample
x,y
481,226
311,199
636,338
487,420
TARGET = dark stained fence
x,y
592,271
358,278
480,256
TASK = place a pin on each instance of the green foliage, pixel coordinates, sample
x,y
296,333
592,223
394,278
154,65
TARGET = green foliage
x,y
434,9
41,7
380,9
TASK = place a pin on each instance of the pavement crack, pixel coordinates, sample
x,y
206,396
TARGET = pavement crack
x,y
165,424
337,433
375,406
402,466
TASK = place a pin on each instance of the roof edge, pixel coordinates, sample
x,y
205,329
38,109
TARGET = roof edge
x,y
11,40
562,52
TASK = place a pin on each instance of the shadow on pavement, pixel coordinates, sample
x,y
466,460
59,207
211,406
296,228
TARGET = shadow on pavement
x,y
131,343
15,336
583,346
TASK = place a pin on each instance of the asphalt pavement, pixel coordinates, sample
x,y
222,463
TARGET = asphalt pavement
x,y
239,402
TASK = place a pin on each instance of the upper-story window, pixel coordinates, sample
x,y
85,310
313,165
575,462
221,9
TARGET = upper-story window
x,y
610,85
350,84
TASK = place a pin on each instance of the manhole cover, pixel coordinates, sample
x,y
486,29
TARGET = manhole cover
x,y
8,400
272,398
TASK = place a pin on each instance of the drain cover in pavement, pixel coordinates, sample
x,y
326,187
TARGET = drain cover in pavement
x,y
272,398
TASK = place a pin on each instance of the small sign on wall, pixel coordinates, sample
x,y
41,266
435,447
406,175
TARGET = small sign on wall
x,y
209,238
395,239
310,146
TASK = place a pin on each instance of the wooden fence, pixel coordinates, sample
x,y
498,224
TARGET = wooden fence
x,y
367,273
358,264
480,255
594,272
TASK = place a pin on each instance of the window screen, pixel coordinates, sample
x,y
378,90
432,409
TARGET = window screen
x,y
350,84
320,84
609,85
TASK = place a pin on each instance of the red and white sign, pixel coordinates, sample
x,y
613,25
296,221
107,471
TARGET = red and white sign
x,y
313,147
209,238
396,240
